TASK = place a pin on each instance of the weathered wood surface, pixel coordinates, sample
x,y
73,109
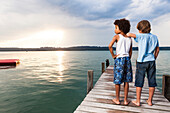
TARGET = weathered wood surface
x,y
103,67
89,80
99,99
166,86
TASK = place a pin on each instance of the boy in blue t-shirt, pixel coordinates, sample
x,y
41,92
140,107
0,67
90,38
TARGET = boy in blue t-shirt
x,y
148,49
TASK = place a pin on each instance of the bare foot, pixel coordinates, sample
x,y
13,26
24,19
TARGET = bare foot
x,y
126,102
136,103
149,103
116,101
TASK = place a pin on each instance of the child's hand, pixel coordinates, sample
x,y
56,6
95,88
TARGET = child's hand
x,y
131,35
114,57
128,34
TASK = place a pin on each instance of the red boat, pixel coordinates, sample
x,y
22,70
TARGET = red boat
x,y
9,62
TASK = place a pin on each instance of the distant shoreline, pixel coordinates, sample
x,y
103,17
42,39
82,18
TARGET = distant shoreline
x,y
76,48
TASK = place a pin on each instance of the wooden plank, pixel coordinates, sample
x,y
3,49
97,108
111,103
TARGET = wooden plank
x,y
100,82
111,87
144,105
112,92
110,67
111,97
122,108
98,110
130,90
164,104
122,93
80,111
130,94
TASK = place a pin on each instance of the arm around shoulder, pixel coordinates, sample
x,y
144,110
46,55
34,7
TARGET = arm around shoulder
x,y
131,35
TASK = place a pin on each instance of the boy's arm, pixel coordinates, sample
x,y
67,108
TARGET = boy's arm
x,y
131,35
111,44
130,51
156,52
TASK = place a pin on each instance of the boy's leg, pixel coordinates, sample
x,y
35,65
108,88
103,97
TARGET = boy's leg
x,y
138,96
139,81
151,74
118,76
116,100
126,90
127,78
151,93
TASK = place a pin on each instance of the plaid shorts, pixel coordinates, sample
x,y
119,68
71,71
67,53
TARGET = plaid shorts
x,y
122,70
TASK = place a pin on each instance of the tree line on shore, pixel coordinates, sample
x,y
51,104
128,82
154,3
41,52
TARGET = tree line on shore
x,y
75,48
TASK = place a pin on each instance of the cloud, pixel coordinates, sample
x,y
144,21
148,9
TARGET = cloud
x,y
92,9
20,18
85,21
146,9
160,27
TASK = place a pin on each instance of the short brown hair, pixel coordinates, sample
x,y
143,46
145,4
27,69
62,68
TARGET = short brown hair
x,y
123,24
144,26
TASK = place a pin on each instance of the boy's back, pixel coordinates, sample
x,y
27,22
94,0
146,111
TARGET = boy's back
x,y
148,46
123,46
147,43
122,62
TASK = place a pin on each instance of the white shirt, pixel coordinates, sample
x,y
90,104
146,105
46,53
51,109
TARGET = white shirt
x,y
123,46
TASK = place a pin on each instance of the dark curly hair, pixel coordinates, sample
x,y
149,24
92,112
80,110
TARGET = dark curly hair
x,y
123,24
144,26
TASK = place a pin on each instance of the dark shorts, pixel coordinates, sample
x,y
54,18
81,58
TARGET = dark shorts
x,y
141,69
122,70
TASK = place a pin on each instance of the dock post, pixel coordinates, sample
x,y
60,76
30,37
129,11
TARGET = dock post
x,y
107,63
166,86
89,80
103,67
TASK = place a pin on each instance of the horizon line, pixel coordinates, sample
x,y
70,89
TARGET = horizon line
x,y
67,47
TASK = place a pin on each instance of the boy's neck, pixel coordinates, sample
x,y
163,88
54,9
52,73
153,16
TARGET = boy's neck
x,y
123,34
142,32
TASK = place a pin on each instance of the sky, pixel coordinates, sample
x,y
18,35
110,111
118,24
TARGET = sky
x,y
65,23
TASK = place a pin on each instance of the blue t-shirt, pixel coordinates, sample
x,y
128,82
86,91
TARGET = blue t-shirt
x,y
147,43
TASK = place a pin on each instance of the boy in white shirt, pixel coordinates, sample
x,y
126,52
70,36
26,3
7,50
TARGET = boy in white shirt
x,y
122,62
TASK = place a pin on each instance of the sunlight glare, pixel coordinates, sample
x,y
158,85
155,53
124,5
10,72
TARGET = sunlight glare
x,y
52,38
51,34
60,56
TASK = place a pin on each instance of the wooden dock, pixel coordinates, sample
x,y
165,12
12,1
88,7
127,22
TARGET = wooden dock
x,y
99,99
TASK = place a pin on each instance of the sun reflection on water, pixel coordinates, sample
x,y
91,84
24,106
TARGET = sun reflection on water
x,y
49,68
60,61
60,68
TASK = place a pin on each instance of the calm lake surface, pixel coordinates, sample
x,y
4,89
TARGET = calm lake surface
x,y
55,82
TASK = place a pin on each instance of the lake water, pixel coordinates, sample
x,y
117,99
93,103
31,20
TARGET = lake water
x,y
55,82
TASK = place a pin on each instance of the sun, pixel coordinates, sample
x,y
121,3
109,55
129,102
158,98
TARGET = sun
x,y
51,38
51,34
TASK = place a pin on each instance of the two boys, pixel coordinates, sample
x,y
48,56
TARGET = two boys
x,y
148,49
